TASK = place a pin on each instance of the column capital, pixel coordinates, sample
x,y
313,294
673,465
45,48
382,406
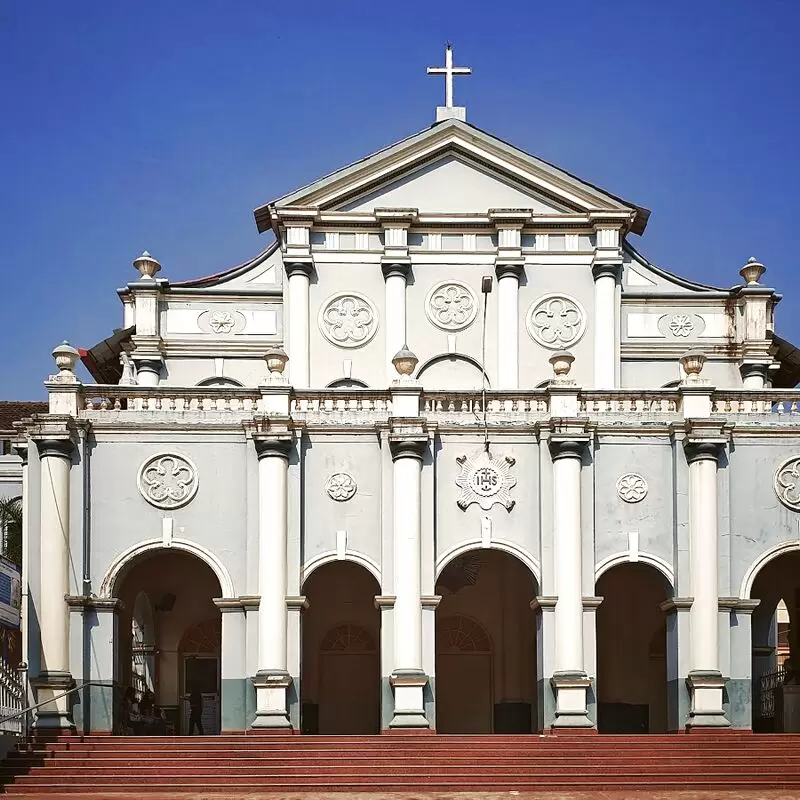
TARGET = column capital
x,y
271,446
298,266
509,269
567,448
56,447
20,448
607,270
407,447
392,267
701,450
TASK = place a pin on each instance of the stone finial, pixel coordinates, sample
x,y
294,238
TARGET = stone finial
x,y
405,362
66,357
692,363
147,266
561,361
752,271
276,359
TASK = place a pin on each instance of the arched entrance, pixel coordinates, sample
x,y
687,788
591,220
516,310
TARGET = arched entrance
x,y
340,672
775,620
485,645
632,650
169,633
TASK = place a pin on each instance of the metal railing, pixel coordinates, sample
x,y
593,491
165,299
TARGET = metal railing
x,y
767,684
13,697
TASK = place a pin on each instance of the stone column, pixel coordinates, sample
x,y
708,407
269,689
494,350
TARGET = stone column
x,y
55,455
272,679
299,277
606,324
408,677
705,680
569,681
148,371
396,275
508,275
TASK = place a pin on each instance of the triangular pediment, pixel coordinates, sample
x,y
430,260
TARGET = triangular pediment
x,y
480,168
456,185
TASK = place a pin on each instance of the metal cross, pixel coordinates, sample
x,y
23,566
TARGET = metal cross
x,y
448,70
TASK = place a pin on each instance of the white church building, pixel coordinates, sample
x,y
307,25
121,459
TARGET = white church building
x,y
450,454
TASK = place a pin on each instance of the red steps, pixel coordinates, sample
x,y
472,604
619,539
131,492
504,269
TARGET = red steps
x,y
241,764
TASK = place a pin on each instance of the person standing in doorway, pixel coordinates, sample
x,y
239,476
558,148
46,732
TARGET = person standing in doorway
x,y
196,711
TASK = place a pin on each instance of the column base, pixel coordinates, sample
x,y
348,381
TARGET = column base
x,y
56,715
705,691
570,689
409,704
271,699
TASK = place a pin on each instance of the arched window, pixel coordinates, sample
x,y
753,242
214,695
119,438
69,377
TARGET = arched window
x,y
463,634
347,383
350,638
219,382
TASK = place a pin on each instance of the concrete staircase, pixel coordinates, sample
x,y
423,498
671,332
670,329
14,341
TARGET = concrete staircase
x,y
86,765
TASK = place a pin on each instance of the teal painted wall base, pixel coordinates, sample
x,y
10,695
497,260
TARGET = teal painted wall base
x,y
234,704
737,702
93,708
545,705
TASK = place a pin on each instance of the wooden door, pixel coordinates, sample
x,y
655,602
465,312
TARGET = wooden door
x,y
349,696
464,693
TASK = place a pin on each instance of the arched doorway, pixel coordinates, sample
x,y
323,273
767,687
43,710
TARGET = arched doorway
x,y
776,650
169,633
485,645
340,672
632,650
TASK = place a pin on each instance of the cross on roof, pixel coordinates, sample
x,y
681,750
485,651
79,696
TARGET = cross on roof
x,y
448,70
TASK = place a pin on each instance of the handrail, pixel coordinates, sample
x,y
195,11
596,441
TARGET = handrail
x,y
52,699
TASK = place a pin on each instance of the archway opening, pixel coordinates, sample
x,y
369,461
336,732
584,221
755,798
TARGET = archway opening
x,y
169,640
340,672
632,687
776,645
485,645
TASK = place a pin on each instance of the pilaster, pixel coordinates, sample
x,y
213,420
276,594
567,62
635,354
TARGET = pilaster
x,y
606,275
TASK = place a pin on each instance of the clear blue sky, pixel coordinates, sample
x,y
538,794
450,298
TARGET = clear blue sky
x,y
161,125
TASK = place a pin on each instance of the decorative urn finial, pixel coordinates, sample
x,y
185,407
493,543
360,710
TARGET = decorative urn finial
x,y
692,363
66,357
276,359
147,266
405,362
561,361
752,271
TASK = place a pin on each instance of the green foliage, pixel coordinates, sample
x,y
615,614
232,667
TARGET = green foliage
x,y
11,523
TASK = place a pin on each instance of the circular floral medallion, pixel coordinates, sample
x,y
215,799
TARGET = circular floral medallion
x,y
340,487
348,320
221,321
451,306
168,480
632,488
681,325
787,483
556,321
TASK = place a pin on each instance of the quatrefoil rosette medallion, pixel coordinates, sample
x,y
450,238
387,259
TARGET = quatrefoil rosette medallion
x,y
168,480
341,487
631,488
348,319
787,483
485,480
556,321
451,306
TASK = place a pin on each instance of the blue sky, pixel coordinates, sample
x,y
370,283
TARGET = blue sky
x,y
161,125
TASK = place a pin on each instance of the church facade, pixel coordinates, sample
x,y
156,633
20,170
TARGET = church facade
x,y
448,455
